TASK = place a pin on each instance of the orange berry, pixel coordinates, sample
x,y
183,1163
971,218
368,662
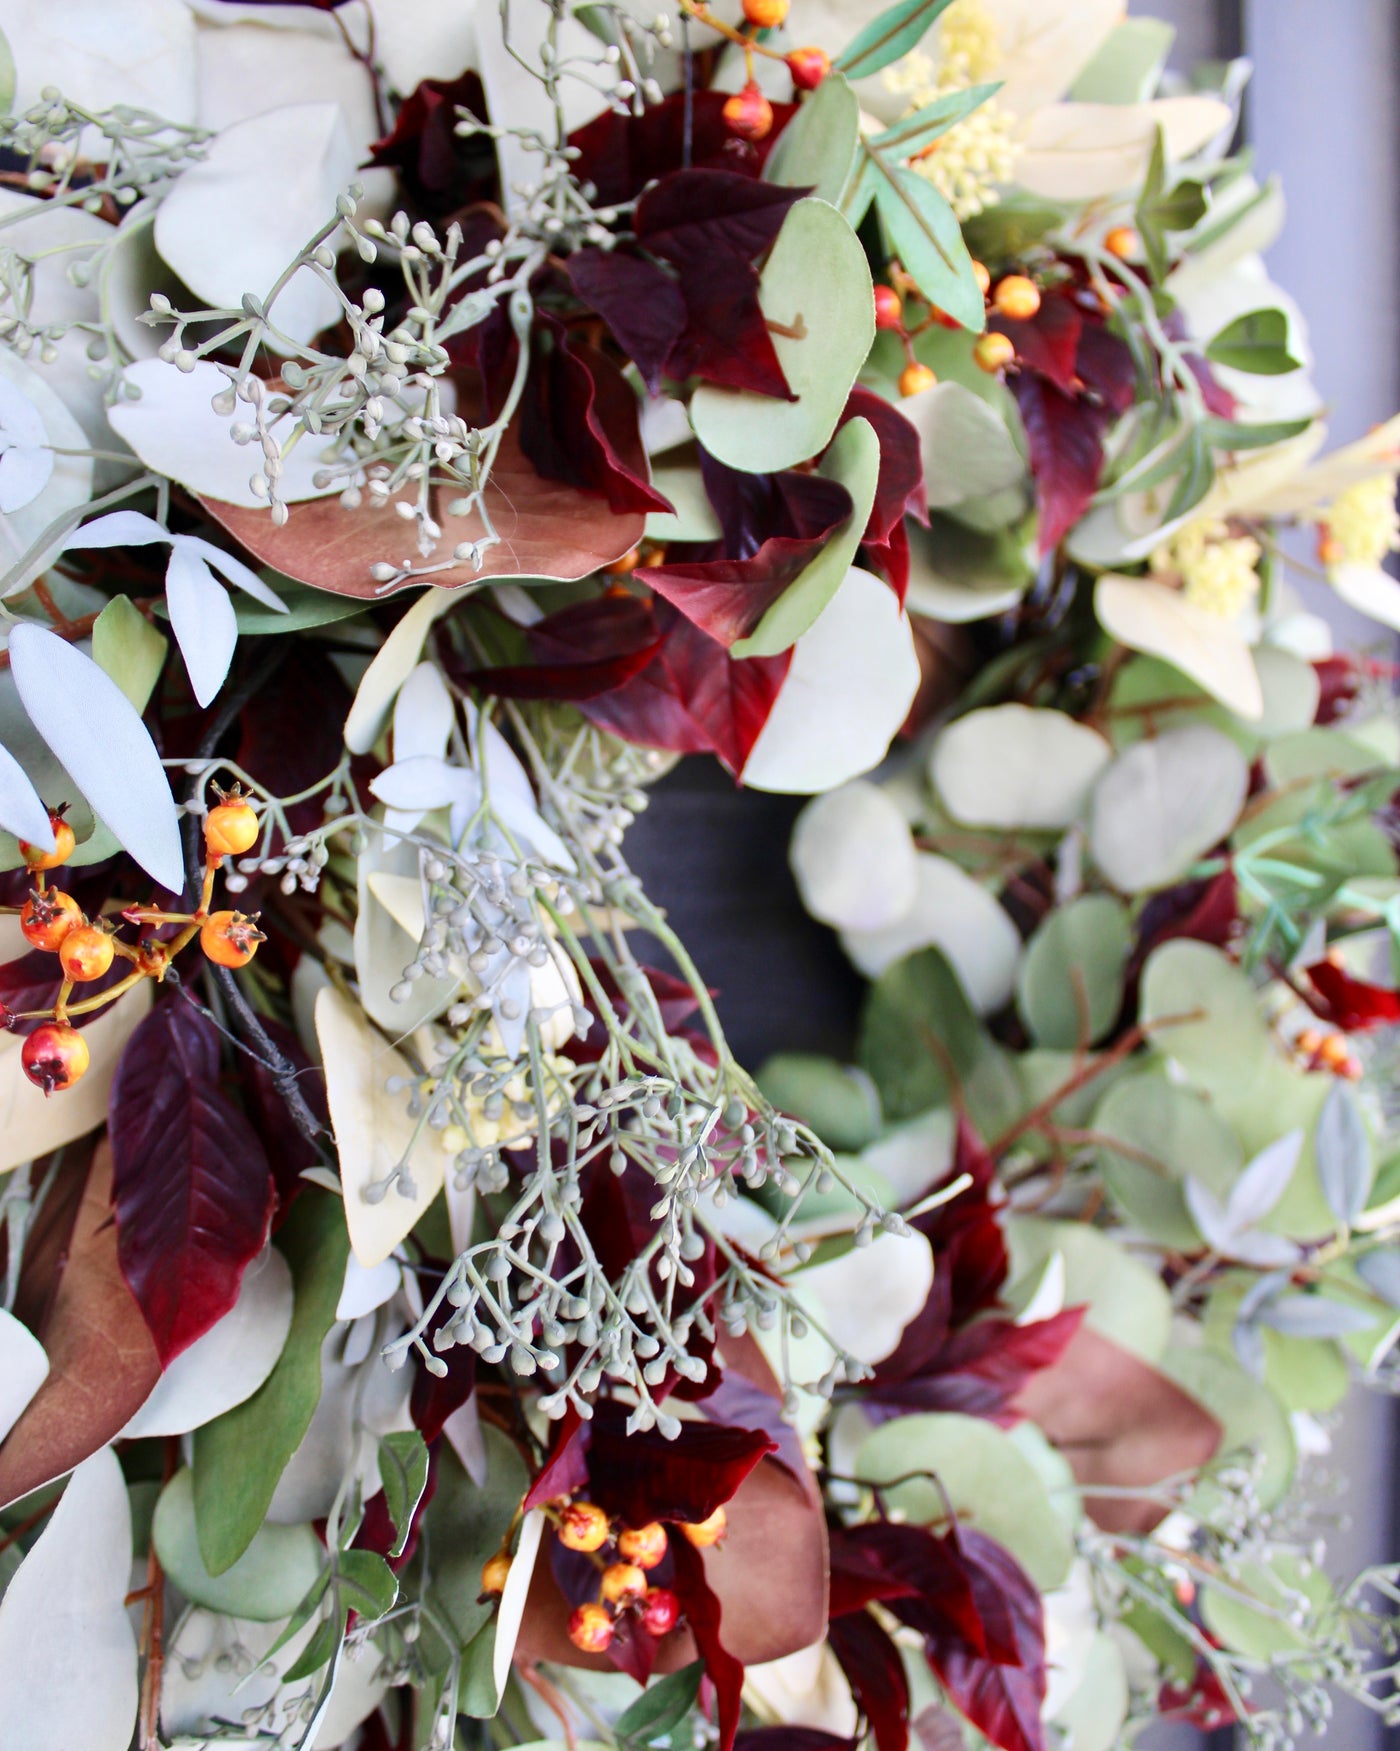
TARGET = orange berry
x,y
914,378
889,307
703,1533
622,1583
982,277
749,114
1309,1041
1334,1051
808,67
85,953
48,917
660,1611
229,939
54,1056
583,1526
643,1545
64,840
1017,297
765,14
590,1629
993,352
231,827
494,1572
619,568
1122,241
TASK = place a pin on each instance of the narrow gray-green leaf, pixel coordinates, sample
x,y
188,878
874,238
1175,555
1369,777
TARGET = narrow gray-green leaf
x,y
662,1706
1343,1151
924,233
97,735
1380,1272
898,29
912,133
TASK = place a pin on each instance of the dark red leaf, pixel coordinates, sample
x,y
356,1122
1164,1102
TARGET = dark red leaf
x,y
875,1673
434,1397
899,488
727,598
702,1611
786,1738
740,1404
586,649
1065,436
980,1368
1204,911
621,154
1350,1004
566,1466
693,697
753,509
1214,394
1104,362
640,302
645,1477
918,1574
423,144
1002,1694
1048,342
694,214
191,1184
1338,678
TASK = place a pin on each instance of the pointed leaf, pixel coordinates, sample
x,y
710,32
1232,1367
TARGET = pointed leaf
x,y
1343,1154
202,619
893,33
1264,1181
924,233
662,1706
97,736
403,1469
21,811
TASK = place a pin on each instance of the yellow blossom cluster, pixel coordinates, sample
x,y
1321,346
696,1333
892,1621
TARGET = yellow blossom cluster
x,y
1216,570
968,164
1361,526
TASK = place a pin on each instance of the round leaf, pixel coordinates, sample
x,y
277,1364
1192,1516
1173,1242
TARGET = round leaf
x,y
1163,803
1070,986
988,1481
833,311
1010,766
1160,622
1126,1302
268,1580
852,855
1166,1132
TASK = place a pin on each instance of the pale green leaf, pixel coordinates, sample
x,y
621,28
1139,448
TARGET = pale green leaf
x,y
1070,985
898,29
817,149
128,648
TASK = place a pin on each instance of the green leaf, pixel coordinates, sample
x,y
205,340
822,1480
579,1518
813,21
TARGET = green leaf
x,y
912,133
1161,210
1011,228
817,149
319,1651
465,1524
661,1707
1248,435
839,1102
1256,342
1344,1162
898,29
1126,1302
991,1483
306,608
1070,985
1269,1628
239,1457
128,648
832,314
1166,1132
1252,1421
1128,63
923,231
266,1582
366,1584
1195,479
7,76
853,459
917,1025
403,1469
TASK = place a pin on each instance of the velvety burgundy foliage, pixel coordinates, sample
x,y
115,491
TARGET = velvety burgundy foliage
x,y
787,1738
684,302
645,1477
875,1672
191,1183
621,154
702,1610
1350,1004
424,147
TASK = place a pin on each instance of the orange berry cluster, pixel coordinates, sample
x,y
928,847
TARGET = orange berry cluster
x,y
625,1555
55,1055
1015,296
1330,1052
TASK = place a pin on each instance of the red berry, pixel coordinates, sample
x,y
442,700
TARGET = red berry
x,y
749,114
659,1611
48,917
85,953
889,308
590,1629
703,1533
229,939
643,1545
583,1526
54,1056
63,842
808,68
231,828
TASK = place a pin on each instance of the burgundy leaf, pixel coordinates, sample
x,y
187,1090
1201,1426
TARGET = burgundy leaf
x,y
1104,362
702,1609
584,650
899,487
918,1574
191,1184
875,1672
1339,678
289,734
423,144
434,1397
1214,394
621,154
1065,436
693,214
640,302
566,1466
645,1477
727,598
1205,911
741,1404
1350,1004
1048,342
788,1738
754,508
979,1369
1001,1695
